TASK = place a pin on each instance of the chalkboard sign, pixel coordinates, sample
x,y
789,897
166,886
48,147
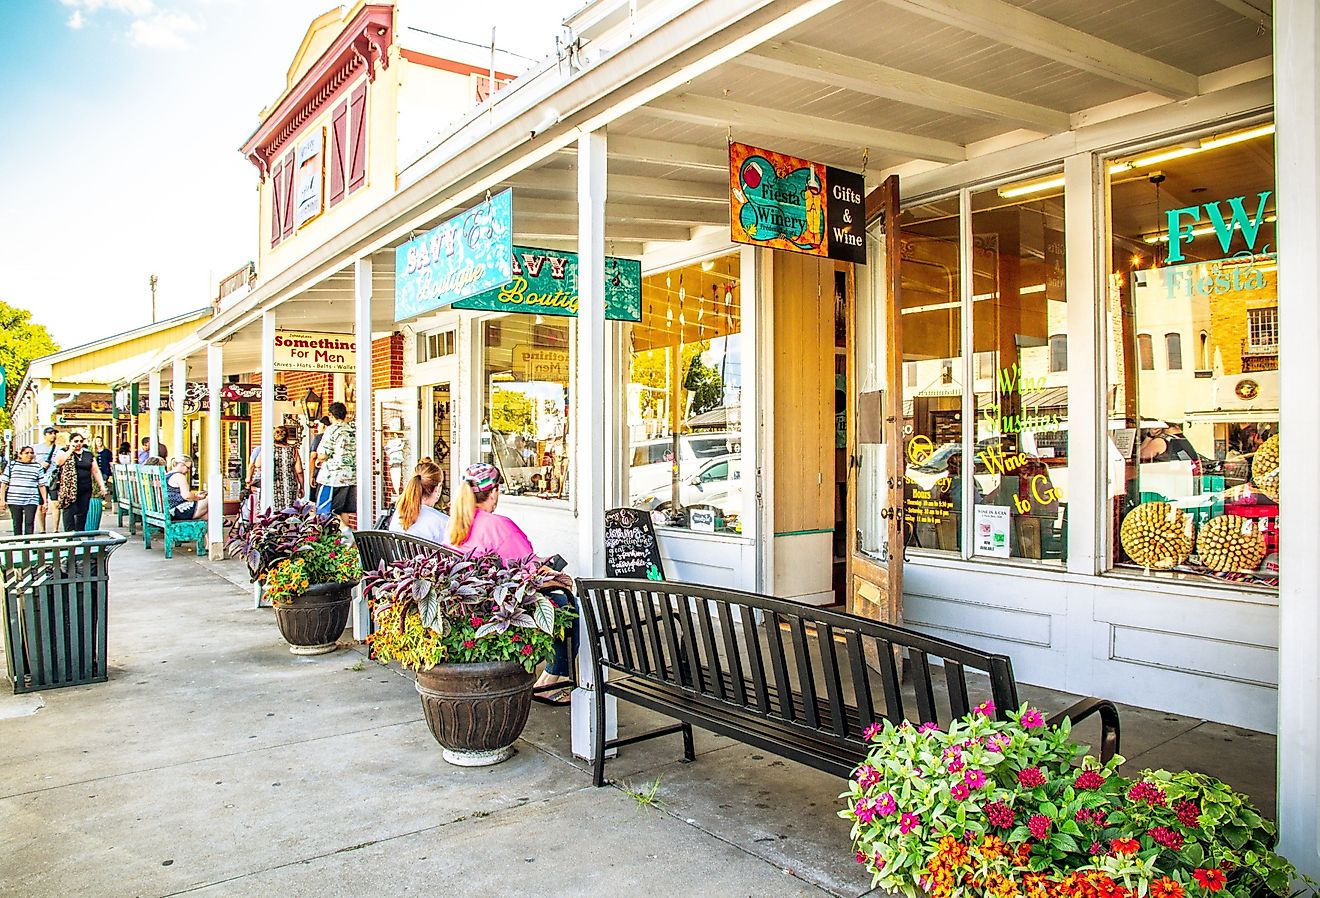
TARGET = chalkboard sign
x,y
631,550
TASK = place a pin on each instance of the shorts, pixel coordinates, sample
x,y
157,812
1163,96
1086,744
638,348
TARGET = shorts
x,y
184,511
343,499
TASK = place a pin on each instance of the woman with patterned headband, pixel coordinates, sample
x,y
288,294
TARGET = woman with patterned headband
x,y
474,527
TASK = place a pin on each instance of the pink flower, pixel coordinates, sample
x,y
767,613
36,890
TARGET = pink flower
x,y
955,765
998,742
985,709
928,727
527,650
960,792
1039,825
1189,813
468,643
1089,781
865,809
1096,849
1031,719
872,731
867,776
1030,777
476,621
1169,838
886,805
861,858
1146,792
908,822
975,779
1000,815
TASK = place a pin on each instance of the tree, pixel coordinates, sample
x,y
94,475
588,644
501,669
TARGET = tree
x,y
21,341
705,384
650,369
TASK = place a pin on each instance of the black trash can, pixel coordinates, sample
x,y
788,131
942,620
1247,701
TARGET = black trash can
x,y
55,590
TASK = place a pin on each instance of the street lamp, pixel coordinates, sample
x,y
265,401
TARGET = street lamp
x,y
312,406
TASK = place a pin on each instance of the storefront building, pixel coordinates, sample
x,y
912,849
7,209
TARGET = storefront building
x,y
1044,416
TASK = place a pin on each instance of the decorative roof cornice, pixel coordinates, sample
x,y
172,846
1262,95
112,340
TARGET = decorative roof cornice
x,y
363,42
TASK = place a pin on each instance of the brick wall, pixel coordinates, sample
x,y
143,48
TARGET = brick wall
x,y
387,362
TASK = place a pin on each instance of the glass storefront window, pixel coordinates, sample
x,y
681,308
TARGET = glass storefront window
x,y
1193,364
1019,308
684,399
524,414
933,375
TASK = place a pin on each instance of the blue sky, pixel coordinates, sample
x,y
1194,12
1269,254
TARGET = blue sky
x,y
121,122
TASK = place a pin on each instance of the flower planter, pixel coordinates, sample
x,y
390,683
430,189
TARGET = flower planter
x,y
312,622
476,711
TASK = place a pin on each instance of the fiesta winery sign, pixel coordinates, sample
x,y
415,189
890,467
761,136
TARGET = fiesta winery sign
x,y
303,351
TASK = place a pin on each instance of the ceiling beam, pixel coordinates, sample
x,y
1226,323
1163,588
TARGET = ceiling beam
x,y
626,186
863,76
662,152
690,214
1016,27
797,126
626,248
528,226
1250,11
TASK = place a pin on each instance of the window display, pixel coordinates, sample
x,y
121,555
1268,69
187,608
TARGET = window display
x,y
684,399
1194,440
525,404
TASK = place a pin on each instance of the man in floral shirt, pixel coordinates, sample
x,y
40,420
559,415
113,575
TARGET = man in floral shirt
x,y
338,457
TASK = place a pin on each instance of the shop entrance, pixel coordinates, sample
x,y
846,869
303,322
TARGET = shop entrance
x,y
439,442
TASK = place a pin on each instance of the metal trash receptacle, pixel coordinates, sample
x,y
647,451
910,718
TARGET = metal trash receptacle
x,y
56,588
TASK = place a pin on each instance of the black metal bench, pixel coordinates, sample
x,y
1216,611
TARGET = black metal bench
x,y
716,659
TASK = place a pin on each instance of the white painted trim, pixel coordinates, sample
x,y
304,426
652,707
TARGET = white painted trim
x,y
967,371
178,387
266,438
153,410
365,404
215,485
763,477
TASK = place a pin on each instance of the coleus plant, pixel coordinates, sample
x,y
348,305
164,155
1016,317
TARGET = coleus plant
x,y
276,535
440,607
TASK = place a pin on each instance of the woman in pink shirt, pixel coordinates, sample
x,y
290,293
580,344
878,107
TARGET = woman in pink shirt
x,y
474,527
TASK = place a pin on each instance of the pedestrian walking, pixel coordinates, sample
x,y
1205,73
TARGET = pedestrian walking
x,y
48,515
338,457
78,474
104,459
288,470
23,489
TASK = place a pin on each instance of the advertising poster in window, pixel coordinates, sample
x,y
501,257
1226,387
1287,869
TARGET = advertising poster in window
x,y
783,202
308,180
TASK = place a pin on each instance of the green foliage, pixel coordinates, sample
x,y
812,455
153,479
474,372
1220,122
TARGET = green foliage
x,y
645,795
293,548
21,341
650,368
705,385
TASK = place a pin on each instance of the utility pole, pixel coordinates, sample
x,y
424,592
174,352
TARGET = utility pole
x,y
152,281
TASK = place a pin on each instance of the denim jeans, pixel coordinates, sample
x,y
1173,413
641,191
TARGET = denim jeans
x,y
561,665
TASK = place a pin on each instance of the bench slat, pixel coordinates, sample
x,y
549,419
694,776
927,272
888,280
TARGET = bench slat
x,y
660,664
861,679
682,670
712,656
887,660
755,660
956,681
696,670
731,652
833,685
784,687
633,600
921,681
806,678
616,627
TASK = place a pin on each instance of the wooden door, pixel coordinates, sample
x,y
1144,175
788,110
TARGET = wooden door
x,y
875,420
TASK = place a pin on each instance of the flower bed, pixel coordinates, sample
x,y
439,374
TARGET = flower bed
x,y
998,808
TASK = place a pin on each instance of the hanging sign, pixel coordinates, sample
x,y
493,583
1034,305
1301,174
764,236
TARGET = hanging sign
x,y
631,549
545,282
307,198
782,202
466,255
304,351
250,392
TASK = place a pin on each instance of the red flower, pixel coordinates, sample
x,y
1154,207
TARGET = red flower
x,y
1124,846
527,650
1039,825
514,637
1169,838
1096,849
476,621
1000,815
1150,793
1210,880
1031,777
1089,780
1189,813
1166,888
468,643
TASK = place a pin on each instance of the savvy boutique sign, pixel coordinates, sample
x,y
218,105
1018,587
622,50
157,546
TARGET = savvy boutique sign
x,y
466,255
545,282
783,202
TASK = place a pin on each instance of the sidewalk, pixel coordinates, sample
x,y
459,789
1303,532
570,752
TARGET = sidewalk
x,y
216,763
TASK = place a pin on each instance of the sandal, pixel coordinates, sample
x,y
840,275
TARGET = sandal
x,y
560,698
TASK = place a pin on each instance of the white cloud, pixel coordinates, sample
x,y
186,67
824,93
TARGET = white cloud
x,y
76,20
128,7
162,28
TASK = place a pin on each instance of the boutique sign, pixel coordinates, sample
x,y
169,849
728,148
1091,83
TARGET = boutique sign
x,y
466,255
303,351
545,282
783,202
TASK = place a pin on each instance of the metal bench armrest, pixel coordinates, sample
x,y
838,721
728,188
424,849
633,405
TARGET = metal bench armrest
x,y
1109,726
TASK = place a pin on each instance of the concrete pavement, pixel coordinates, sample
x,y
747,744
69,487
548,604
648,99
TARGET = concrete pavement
x,y
216,763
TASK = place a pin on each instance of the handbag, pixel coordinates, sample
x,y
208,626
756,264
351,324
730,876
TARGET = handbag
x,y
68,481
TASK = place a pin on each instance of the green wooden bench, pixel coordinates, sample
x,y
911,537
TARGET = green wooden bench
x,y
156,514
126,492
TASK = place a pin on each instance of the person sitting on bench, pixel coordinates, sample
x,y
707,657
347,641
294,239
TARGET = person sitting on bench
x,y
414,512
184,504
475,527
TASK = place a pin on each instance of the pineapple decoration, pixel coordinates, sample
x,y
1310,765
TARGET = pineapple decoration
x,y
1265,468
1157,535
1231,543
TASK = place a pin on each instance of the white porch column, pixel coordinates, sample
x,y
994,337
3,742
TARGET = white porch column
x,y
1297,153
362,335
178,387
588,421
267,438
215,486
153,411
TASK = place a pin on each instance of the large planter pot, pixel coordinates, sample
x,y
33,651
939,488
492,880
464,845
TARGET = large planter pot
x,y
312,623
476,711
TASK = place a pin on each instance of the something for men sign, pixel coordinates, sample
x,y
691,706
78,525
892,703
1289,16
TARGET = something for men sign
x,y
306,351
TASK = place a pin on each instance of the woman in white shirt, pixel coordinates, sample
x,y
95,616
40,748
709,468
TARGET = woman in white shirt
x,y
414,512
